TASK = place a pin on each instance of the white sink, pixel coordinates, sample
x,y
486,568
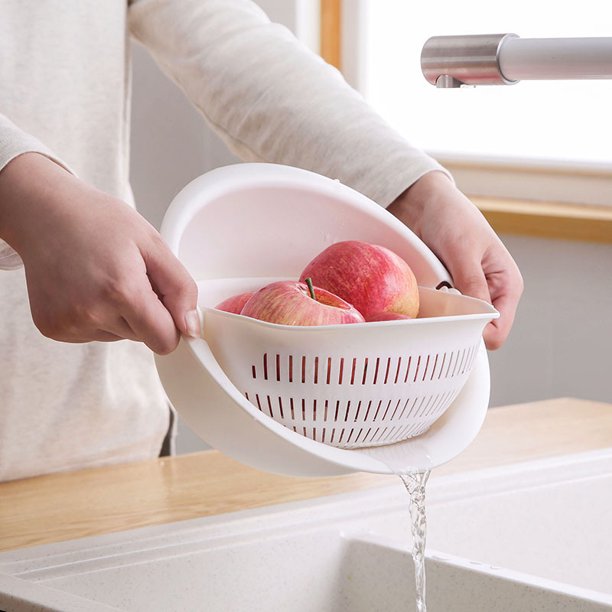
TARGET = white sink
x,y
534,536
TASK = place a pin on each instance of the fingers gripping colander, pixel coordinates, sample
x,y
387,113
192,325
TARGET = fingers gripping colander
x,y
281,398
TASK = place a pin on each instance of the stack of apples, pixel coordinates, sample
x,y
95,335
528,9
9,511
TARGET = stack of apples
x,y
349,282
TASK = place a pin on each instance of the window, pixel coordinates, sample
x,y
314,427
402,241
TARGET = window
x,y
546,140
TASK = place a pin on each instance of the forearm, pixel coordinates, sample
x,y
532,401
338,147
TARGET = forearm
x,y
14,203
29,184
17,149
272,99
410,205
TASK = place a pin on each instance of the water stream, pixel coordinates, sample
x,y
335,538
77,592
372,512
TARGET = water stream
x,y
415,485
397,458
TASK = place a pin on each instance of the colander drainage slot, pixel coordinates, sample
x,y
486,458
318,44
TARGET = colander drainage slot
x,y
428,367
308,392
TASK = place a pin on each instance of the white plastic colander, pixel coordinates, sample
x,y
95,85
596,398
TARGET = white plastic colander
x,y
293,399
355,385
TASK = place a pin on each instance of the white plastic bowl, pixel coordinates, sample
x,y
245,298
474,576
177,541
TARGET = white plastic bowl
x,y
250,221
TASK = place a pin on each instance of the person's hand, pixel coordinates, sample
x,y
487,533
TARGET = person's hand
x,y
456,231
95,269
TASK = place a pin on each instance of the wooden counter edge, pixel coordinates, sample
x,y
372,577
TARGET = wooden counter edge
x,y
560,221
70,505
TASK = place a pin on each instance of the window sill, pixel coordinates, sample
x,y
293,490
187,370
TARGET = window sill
x,y
561,221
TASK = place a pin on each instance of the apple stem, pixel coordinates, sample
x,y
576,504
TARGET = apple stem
x,y
310,288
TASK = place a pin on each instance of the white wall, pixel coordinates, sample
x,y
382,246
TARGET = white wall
x,y
562,340
561,343
171,145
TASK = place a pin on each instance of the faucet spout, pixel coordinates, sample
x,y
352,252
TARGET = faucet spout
x,y
452,61
504,59
446,81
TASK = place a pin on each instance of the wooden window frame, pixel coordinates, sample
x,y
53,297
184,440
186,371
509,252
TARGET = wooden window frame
x,y
558,220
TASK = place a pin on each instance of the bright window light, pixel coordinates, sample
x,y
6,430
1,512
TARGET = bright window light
x,y
558,121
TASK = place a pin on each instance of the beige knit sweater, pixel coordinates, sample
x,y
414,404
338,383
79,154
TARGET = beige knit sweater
x,y
65,91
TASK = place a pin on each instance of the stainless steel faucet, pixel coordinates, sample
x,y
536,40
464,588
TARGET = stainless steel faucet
x,y
505,59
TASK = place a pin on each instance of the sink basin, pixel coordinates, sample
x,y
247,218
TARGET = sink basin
x,y
531,536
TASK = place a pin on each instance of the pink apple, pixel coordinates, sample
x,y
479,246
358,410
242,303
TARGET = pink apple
x,y
290,303
370,277
388,316
235,303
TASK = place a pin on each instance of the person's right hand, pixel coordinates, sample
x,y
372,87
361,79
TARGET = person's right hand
x,y
95,268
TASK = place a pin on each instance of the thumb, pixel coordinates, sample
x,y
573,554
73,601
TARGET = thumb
x,y
470,280
175,288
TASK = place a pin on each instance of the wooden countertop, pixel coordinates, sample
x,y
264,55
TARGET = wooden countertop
x,y
70,505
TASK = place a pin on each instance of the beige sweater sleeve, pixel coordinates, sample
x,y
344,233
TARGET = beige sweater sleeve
x,y
14,142
272,99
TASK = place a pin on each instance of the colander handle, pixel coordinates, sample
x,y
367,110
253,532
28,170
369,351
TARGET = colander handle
x,y
201,317
447,287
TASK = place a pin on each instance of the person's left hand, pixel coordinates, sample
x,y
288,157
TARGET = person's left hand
x,y
457,232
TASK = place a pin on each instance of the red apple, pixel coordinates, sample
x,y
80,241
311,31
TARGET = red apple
x,y
235,303
290,303
388,316
370,277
